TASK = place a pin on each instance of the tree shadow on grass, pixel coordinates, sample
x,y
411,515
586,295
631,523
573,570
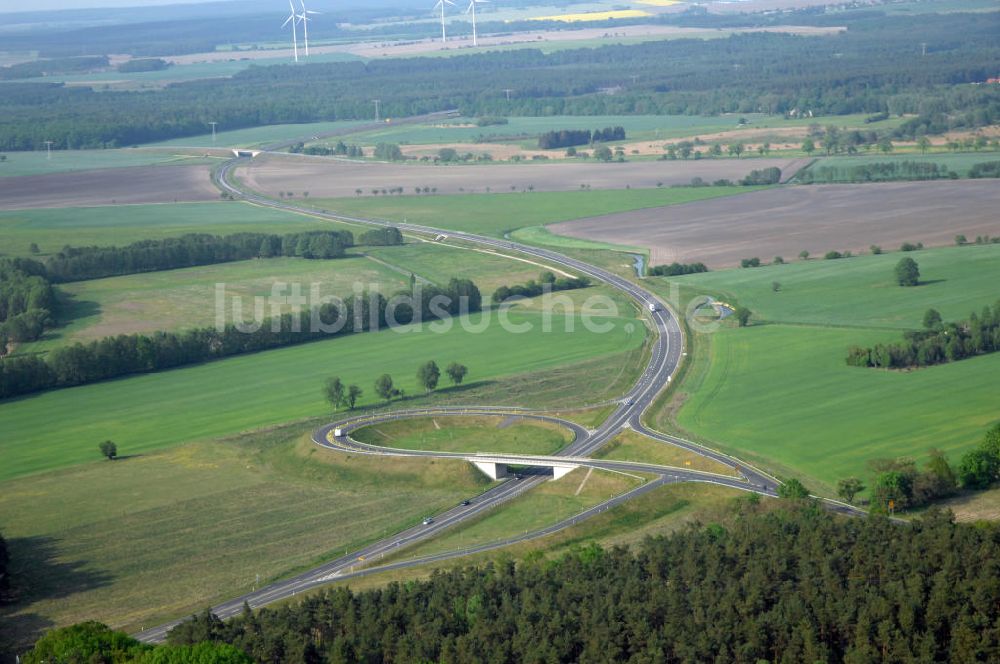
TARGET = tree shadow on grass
x,y
930,282
38,574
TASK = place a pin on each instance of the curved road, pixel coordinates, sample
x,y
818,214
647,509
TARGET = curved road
x,y
664,360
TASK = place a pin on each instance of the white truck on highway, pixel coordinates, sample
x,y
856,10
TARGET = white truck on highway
x,y
653,308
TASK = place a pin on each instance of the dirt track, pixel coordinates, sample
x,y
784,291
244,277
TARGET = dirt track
x,y
144,184
328,178
783,222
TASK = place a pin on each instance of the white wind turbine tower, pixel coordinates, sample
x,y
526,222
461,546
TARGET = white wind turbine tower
x,y
304,19
472,10
293,18
440,5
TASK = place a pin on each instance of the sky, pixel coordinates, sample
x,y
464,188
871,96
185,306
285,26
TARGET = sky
x,y
45,5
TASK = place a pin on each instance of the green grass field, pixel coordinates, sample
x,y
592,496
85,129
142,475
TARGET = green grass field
x,y
258,136
152,411
62,161
186,298
468,434
210,517
631,446
496,214
53,228
637,127
780,392
960,162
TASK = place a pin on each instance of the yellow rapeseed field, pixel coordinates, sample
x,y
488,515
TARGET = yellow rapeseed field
x,y
597,16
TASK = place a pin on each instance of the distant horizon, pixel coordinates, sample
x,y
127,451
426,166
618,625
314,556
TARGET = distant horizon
x,y
17,6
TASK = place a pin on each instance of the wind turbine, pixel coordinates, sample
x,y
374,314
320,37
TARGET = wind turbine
x,y
293,19
304,19
440,5
472,10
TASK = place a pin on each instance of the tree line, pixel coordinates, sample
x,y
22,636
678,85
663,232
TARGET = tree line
x,y
428,375
572,137
867,69
677,269
547,283
937,343
891,171
899,484
112,357
193,249
790,585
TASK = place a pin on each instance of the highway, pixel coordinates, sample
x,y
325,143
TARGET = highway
x,y
665,357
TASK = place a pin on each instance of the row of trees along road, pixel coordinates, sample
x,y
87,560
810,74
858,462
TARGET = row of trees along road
x,y
428,376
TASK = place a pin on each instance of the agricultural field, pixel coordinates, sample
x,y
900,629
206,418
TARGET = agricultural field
x,y
154,411
468,434
497,214
63,161
255,137
176,183
787,220
781,393
960,162
464,130
217,518
330,178
54,228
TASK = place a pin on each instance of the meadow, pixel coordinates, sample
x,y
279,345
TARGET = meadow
x,y
153,411
63,161
53,228
216,518
497,214
780,393
186,298
468,434
253,137
637,127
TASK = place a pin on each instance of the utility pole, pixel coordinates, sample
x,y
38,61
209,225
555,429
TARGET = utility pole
x,y
508,91
213,130
923,49
378,114
635,77
48,150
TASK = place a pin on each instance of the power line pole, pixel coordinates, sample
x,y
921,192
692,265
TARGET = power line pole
x,y
213,130
48,150
923,48
508,91
378,114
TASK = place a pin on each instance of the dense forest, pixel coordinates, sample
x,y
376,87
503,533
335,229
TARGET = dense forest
x,y
112,357
793,585
937,343
82,263
873,67
27,301
571,137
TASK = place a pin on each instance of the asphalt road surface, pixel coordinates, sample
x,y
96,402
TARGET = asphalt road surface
x,y
663,362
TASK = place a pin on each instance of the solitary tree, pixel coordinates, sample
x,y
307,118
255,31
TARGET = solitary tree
x,y
808,146
383,387
848,488
743,316
456,372
334,392
923,143
353,394
34,248
775,286
428,375
109,449
907,272
804,255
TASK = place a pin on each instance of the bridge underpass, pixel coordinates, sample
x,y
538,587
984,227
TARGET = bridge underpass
x,y
499,468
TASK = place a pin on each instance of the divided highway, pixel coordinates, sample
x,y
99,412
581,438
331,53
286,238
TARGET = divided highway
x,y
665,357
